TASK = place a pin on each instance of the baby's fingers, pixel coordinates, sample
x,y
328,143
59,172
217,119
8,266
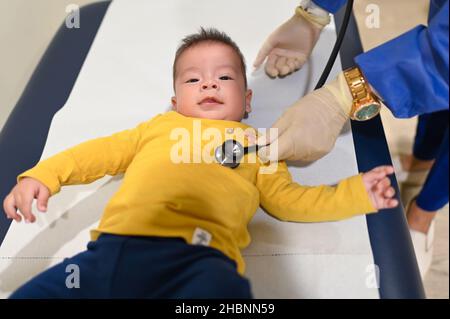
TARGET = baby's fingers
x,y
390,192
42,198
387,199
382,185
24,206
387,169
9,205
381,172
390,203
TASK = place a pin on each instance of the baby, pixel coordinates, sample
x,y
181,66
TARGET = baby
x,y
176,226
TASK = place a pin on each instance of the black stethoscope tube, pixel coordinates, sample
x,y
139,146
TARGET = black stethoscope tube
x,y
231,152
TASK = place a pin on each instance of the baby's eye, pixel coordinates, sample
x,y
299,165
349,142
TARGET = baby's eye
x,y
225,78
192,81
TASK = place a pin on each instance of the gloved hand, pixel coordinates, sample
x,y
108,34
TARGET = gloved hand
x,y
290,45
309,128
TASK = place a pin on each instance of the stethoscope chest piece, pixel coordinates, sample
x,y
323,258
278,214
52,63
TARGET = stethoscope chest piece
x,y
230,153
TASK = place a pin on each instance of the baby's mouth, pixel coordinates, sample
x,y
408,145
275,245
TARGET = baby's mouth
x,y
210,101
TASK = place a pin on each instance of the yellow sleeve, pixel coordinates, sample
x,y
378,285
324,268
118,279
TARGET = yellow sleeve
x,y
289,201
88,161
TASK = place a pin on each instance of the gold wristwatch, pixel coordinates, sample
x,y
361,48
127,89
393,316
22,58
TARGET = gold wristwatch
x,y
366,104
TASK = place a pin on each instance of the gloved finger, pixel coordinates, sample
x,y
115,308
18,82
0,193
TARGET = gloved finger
x,y
279,149
300,61
263,154
271,70
281,66
291,64
262,54
277,129
266,139
251,136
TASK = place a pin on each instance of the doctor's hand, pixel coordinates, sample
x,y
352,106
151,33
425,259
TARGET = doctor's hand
x,y
291,44
378,186
21,197
308,129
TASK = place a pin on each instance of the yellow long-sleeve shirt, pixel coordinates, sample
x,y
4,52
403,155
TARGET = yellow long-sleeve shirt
x,y
160,197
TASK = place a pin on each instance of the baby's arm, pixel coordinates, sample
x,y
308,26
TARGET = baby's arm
x,y
88,161
360,194
81,164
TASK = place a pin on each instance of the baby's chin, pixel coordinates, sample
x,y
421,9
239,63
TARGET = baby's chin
x,y
213,115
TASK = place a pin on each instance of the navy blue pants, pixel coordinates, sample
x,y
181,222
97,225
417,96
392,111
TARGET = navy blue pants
x,y
140,267
432,142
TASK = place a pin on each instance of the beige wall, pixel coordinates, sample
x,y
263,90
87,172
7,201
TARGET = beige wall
x,y
396,17
26,28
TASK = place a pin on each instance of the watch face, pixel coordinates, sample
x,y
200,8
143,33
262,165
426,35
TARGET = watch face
x,y
367,112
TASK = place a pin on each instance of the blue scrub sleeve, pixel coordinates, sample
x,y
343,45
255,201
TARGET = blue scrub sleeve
x,y
411,72
332,6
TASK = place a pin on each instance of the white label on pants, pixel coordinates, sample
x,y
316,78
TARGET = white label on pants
x,y
201,237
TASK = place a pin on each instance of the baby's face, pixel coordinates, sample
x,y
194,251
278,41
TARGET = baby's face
x,y
209,83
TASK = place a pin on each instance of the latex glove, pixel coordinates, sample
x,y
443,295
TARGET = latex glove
x,y
291,44
309,128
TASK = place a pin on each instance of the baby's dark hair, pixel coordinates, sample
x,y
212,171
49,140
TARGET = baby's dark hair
x,y
209,35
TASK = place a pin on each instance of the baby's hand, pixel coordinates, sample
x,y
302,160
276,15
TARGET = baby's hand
x,y
378,186
21,197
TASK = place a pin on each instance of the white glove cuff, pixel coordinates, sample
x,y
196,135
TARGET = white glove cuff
x,y
313,8
339,88
320,21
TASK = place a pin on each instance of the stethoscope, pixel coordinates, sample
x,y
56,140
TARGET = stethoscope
x,y
231,152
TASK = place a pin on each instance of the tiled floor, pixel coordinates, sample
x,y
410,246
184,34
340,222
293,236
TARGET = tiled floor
x,y
436,281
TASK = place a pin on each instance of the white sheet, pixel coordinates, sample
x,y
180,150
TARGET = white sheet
x,y
125,80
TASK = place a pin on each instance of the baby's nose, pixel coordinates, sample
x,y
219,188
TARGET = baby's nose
x,y
210,85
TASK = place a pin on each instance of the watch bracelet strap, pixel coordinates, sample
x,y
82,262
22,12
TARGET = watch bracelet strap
x,y
359,88
358,85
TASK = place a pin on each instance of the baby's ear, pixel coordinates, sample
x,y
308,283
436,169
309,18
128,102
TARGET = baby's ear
x,y
174,103
248,101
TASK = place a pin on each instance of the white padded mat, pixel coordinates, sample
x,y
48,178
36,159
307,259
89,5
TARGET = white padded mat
x,y
126,79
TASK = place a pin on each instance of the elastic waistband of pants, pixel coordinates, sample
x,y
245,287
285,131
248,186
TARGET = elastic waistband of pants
x,y
105,238
145,238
